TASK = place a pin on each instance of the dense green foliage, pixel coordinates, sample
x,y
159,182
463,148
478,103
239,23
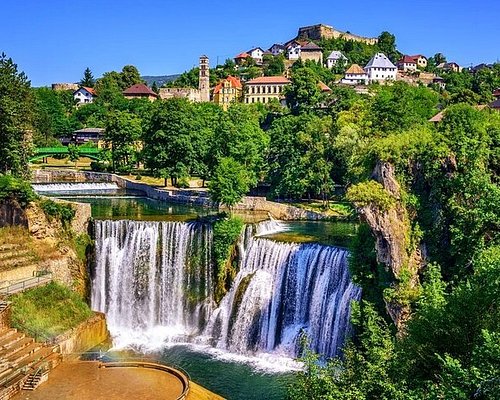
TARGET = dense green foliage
x,y
16,118
230,182
64,212
225,234
12,188
48,311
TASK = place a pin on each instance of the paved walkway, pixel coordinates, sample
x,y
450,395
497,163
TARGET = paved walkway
x,y
84,380
25,284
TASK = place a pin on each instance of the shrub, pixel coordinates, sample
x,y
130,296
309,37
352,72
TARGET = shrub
x,y
370,192
183,182
62,211
16,189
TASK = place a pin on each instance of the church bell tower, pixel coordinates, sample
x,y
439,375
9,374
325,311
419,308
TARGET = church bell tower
x,y
204,84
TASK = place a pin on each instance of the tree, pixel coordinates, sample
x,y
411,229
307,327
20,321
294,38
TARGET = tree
x,y
88,79
130,76
122,132
16,118
229,183
155,88
304,94
169,150
73,153
387,45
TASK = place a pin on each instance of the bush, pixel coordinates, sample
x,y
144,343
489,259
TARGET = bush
x,y
183,182
138,177
16,189
62,211
370,192
48,311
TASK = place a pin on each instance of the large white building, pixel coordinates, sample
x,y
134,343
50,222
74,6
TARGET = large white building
x,y
380,69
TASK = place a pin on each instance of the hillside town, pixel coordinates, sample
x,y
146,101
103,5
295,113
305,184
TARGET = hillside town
x,y
264,88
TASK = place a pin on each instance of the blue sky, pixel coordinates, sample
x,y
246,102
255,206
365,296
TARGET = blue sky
x,y
55,40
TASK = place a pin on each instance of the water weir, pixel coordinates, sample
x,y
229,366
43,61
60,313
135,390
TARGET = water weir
x,y
158,276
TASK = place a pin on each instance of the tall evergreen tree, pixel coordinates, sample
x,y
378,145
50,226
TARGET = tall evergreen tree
x,y
88,79
16,115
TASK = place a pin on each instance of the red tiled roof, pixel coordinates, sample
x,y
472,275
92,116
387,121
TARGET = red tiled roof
x,y
416,56
139,89
242,55
90,90
407,60
235,82
496,92
268,79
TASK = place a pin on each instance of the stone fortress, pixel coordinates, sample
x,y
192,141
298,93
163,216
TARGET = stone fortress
x,y
321,31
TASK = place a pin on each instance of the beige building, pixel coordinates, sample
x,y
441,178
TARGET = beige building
x,y
139,91
265,89
311,51
228,91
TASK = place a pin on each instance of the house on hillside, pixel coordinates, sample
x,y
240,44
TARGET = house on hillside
x,y
86,135
84,95
495,105
241,58
265,88
293,49
139,91
277,49
228,91
450,66
355,75
257,54
440,82
311,51
407,64
336,58
420,60
380,69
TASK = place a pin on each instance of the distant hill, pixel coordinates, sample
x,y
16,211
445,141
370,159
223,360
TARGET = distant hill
x,y
160,80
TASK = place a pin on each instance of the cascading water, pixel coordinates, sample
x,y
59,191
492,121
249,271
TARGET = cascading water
x,y
158,277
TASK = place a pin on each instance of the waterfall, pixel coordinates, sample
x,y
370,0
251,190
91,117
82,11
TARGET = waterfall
x,y
83,187
159,275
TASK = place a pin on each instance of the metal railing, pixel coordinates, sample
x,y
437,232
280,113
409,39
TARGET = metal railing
x,y
42,277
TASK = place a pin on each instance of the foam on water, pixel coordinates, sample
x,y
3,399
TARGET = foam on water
x,y
74,187
155,282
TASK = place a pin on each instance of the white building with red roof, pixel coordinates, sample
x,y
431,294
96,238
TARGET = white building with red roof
x,y
84,95
265,89
407,64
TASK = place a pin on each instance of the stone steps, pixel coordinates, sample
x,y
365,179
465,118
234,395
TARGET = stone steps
x,y
7,255
16,262
7,353
8,340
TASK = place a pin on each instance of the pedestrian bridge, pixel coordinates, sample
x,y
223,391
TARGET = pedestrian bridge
x,y
83,151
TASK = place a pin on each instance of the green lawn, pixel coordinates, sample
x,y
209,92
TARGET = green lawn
x,y
48,311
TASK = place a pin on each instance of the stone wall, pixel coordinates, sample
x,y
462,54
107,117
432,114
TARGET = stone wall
x,y
89,334
12,214
320,31
5,318
195,197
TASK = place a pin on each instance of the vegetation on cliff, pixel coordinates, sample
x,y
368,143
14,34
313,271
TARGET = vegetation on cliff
x,y
225,235
48,311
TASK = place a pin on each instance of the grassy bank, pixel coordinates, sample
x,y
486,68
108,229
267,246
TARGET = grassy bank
x,y
48,311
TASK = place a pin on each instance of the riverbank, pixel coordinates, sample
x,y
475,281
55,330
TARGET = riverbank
x,y
200,197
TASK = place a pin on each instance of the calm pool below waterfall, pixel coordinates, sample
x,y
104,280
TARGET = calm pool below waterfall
x,y
154,279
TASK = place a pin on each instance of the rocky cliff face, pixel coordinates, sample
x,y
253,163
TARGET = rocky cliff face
x,y
392,231
63,261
